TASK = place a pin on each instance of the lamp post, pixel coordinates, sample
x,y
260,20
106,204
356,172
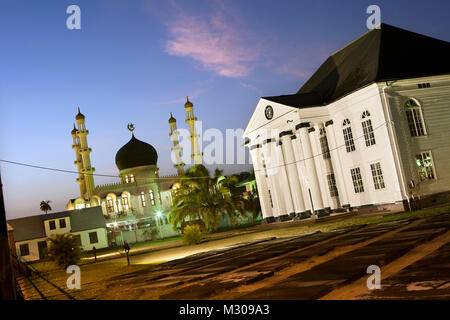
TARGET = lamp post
x,y
7,282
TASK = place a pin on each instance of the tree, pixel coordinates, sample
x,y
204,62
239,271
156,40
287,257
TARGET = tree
x,y
64,249
45,206
198,197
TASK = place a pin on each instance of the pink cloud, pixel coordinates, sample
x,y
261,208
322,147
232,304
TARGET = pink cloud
x,y
220,42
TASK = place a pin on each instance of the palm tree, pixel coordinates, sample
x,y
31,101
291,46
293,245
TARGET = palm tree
x,y
198,198
45,206
64,249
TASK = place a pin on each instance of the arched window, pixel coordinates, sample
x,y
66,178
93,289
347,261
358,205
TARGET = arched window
x,y
415,119
369,136
152,197
132,178
144,203
109,204
126,179
348,136
125,202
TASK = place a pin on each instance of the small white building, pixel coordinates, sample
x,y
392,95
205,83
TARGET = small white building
x,y
369,128
31,233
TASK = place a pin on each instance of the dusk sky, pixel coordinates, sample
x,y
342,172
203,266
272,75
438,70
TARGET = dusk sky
x,y
136,61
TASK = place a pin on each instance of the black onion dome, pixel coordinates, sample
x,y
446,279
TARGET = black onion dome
x,y
136,153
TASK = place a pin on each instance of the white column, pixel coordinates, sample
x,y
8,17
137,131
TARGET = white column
x,y
311,173
261,181
302,175
314,136
337,166
271,169
292,173
283,183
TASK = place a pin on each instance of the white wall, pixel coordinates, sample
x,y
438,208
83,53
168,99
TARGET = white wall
x,y
85,241
33,248
58,230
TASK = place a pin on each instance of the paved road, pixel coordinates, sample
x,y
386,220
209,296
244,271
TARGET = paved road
x,y
414,257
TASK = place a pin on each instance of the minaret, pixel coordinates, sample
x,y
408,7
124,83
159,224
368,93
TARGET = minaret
x,y
78,161
190,120
85,151
176,149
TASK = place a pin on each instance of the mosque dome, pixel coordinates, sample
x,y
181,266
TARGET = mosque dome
x,y
136,153
74,131
79,116
172,119
188,104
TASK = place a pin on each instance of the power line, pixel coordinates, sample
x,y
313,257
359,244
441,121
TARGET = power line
x,y
319,154
87,174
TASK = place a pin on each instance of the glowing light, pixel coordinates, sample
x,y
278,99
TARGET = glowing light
x,y
158,214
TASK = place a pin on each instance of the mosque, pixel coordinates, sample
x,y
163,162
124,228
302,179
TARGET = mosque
x,y
142,198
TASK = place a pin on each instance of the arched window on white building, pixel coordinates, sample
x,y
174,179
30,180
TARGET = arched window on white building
x,y
132,178
415,118
348,136
366,123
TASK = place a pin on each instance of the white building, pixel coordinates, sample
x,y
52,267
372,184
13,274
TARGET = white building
x,y
31,233
369,128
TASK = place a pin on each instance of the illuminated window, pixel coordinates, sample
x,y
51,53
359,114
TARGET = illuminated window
x,y
348,136
125,203
377,175
132,178
152,197
126,179
357,180
369,136
415,119
143,199
425,167
109,205
332,185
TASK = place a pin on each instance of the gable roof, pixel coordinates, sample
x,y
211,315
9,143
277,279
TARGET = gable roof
x,y
387,53
28,228
56,215
87,219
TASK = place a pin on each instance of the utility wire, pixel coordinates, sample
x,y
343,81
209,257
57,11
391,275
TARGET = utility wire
x,y
319,154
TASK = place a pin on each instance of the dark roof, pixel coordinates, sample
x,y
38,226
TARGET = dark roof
x,y
56,215
383,54
136,153
87,219
28,228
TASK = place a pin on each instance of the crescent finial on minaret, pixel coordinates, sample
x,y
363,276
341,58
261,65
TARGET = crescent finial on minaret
x,y
131,127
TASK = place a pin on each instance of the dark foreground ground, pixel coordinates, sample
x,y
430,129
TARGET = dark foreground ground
x,y
414,257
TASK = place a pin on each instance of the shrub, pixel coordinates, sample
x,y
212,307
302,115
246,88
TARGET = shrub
x,y
64,249
192,234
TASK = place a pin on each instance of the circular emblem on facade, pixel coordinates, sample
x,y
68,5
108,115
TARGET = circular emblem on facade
x,y
268,112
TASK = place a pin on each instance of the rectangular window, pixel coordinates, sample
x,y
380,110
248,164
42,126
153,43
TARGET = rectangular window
x,y
24,249
324,146
144,203
52,225
357,180
62,223
377,175
270,197
132,178
332,185
93,238
415,122
425,168
369,136
348,138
